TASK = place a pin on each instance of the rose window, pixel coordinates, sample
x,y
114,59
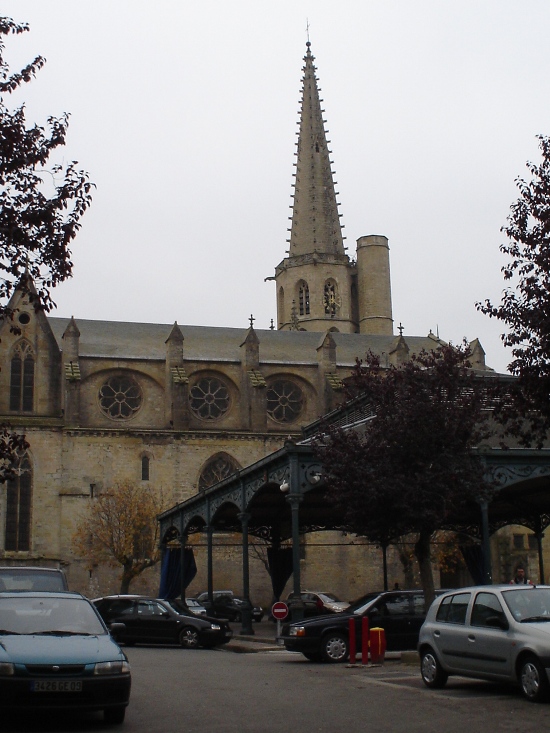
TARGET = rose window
x,y
209,398
285,401
120,398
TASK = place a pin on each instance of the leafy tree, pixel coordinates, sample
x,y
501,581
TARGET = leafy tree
x,y
410,468
11,445
525,305
40,208
121,528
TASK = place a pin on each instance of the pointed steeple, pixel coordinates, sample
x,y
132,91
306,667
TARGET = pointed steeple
x,y
315,220
316,281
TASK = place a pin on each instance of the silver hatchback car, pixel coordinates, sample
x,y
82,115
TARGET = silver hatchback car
x,y
493,632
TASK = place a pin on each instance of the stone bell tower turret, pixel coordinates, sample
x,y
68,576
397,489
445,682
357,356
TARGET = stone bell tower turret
x,y
373,285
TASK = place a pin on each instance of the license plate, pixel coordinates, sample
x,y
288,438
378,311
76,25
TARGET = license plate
x,y
56,686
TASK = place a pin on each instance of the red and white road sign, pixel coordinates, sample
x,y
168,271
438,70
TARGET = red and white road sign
x,y
279,610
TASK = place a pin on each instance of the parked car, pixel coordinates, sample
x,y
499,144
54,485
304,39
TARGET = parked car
x,y
499,633
56,653
195,607
153,621
226,605
316,603
32,578
326,638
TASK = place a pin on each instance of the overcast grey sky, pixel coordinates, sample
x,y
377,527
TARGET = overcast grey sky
x,y
185,116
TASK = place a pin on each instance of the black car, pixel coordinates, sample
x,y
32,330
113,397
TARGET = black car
x,y
325,638
154,621
226,605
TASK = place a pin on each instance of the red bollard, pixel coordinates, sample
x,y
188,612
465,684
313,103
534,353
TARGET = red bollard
x,y
364,640
352,644
377,645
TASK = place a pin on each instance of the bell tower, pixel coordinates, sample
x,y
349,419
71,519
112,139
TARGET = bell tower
x,y
316,281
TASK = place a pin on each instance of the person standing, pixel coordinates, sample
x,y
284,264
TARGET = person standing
x,y
520,577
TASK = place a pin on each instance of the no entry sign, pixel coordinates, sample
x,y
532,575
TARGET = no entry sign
x,y
279,611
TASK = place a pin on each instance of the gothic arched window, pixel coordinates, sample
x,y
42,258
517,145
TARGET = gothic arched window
x,y
22,378
145,465
330,298
281,306
218,467
18,508
303,298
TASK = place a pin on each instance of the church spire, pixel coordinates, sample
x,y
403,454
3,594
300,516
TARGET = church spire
x,y
315,220
316,281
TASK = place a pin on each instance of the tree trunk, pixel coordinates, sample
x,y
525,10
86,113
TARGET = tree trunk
x,y
127,577
406,558
423,556
385,565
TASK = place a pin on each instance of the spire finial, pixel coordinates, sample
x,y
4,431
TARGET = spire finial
x,y
308,44
400,329
251,319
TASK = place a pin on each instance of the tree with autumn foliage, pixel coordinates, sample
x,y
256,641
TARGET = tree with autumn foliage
x,y
525,305
41,204
410,467
121,528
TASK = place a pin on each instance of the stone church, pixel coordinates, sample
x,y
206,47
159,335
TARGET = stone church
x,y
182,406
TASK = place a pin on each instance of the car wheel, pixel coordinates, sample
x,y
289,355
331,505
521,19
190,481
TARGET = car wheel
x,y
334,647
189,638
114,716
533,681
433,674
313,656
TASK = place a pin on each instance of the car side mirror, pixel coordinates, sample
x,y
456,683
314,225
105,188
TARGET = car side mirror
x,y
497,622
117,629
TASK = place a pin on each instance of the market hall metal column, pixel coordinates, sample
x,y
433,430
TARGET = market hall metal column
x,y
295,498
246,617
210,580
486,543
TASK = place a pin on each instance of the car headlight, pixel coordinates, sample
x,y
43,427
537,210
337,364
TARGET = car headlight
x,y
297,631
7,669
215,627
119,667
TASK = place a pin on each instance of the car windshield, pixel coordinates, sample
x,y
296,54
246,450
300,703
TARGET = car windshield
x,y
44,615
29,580
329,598
359,605
178,607
529,603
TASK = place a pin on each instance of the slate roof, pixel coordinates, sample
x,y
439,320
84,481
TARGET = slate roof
x,y
120,340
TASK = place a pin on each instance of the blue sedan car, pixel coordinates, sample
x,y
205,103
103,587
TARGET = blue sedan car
x,y
57,654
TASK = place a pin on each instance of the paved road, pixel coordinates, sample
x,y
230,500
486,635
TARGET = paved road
x,y
218,691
